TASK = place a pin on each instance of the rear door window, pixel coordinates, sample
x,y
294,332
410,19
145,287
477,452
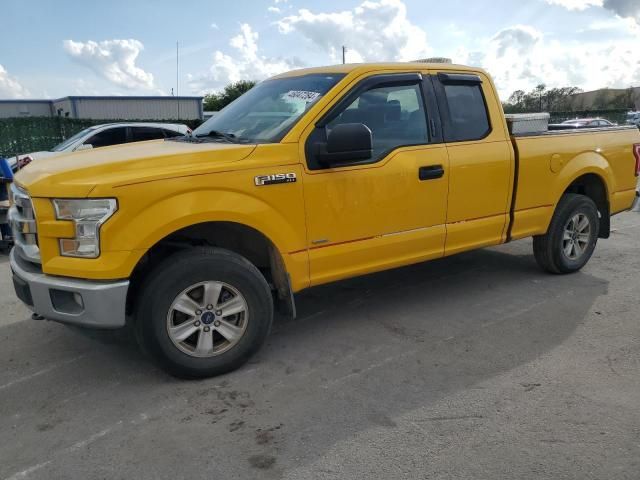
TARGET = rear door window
x,y
172,133
110,136
141,134
467,112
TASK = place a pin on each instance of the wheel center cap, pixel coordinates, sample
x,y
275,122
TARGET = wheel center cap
x,y
208,318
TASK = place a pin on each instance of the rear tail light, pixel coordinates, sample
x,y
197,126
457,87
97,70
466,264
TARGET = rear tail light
x,y
636,153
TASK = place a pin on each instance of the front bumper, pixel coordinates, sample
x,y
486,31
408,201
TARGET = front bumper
x,y
69,300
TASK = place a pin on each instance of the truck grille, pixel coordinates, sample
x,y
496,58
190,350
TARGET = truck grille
x,y
22,219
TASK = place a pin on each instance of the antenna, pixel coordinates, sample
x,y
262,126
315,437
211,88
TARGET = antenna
x,y
177,79
344,54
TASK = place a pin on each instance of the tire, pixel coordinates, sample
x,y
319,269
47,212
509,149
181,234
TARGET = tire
x,y
553,251
165,312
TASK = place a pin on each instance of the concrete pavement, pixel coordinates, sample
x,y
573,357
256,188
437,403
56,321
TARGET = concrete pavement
x,y
476,366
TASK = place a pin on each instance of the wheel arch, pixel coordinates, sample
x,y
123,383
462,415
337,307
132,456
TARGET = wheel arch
x,y
593,184
243,239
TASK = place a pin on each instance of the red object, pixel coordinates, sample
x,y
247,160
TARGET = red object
x,y
636,153
24,161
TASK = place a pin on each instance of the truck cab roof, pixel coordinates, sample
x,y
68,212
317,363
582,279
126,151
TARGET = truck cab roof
x,y
365,67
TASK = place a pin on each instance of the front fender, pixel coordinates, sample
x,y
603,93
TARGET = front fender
x,y
149,212
147,215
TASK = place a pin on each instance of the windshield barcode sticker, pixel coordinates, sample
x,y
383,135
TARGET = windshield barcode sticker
x,y
302,95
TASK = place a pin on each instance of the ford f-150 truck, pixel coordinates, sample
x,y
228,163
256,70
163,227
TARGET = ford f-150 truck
x,y
311,177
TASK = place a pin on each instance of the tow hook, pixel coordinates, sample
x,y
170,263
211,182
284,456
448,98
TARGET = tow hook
x,y
35,316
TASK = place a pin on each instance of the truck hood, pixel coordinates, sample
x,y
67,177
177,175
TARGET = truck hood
x,y
76,174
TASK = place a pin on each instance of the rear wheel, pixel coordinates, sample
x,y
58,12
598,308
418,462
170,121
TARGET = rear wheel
x,y
571,239
204,312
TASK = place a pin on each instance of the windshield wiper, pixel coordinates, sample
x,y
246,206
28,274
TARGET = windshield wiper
x,y
230,137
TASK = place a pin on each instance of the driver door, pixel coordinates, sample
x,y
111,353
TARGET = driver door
x,y
389,210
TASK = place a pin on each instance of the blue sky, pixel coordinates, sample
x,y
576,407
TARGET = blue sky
x,y
71,47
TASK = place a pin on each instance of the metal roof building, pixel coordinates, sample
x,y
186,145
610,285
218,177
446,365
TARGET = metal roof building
x,y
107,108
25,108
590,100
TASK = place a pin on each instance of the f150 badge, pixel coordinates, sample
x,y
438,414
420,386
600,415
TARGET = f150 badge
x,y
262,180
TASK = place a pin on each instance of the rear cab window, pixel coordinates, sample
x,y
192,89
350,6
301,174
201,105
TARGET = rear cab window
x,y
463,107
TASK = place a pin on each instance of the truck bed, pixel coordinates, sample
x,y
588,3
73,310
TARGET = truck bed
x,y
575,131
546,163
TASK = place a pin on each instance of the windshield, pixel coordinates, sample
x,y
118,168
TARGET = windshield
x,y
266,112
69,141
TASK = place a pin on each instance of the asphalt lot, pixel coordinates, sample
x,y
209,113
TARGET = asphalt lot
x,y
476,366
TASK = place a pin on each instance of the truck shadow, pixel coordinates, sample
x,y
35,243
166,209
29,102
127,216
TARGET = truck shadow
x,y
361,354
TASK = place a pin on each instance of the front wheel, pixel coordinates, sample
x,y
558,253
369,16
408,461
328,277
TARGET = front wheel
x,y
203,312
571,239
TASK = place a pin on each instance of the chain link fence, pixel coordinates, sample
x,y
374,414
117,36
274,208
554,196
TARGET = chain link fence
x,y
24,135
618,116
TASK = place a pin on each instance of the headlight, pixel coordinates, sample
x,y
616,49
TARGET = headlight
x,y
88,215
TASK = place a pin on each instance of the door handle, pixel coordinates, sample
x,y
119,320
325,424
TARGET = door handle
x,y
430,172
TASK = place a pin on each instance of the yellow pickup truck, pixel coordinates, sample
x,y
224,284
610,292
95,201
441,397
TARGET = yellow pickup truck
x,y
312,176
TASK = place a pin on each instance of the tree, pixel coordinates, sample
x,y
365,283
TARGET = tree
x,y
559,99
214,102
540,99
539,91
515,103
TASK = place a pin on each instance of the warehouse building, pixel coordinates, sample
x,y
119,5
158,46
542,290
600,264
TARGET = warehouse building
x,y
25,108
596,99
107,108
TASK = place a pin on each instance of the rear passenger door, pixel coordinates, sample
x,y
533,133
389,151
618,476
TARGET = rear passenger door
x,y
480,160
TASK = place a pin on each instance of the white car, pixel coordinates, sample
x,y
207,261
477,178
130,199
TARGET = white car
x,y
633,118
104,135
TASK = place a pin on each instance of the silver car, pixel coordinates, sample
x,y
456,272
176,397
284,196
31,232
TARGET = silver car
x,y
105,135
633,118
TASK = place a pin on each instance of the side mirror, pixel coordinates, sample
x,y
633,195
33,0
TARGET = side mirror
x,y
84,146
347,142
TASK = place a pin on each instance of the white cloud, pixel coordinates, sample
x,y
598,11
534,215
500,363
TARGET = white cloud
x,y
520,57
214,26
376,30
576,4
273,9
10,87
114,60
246,64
